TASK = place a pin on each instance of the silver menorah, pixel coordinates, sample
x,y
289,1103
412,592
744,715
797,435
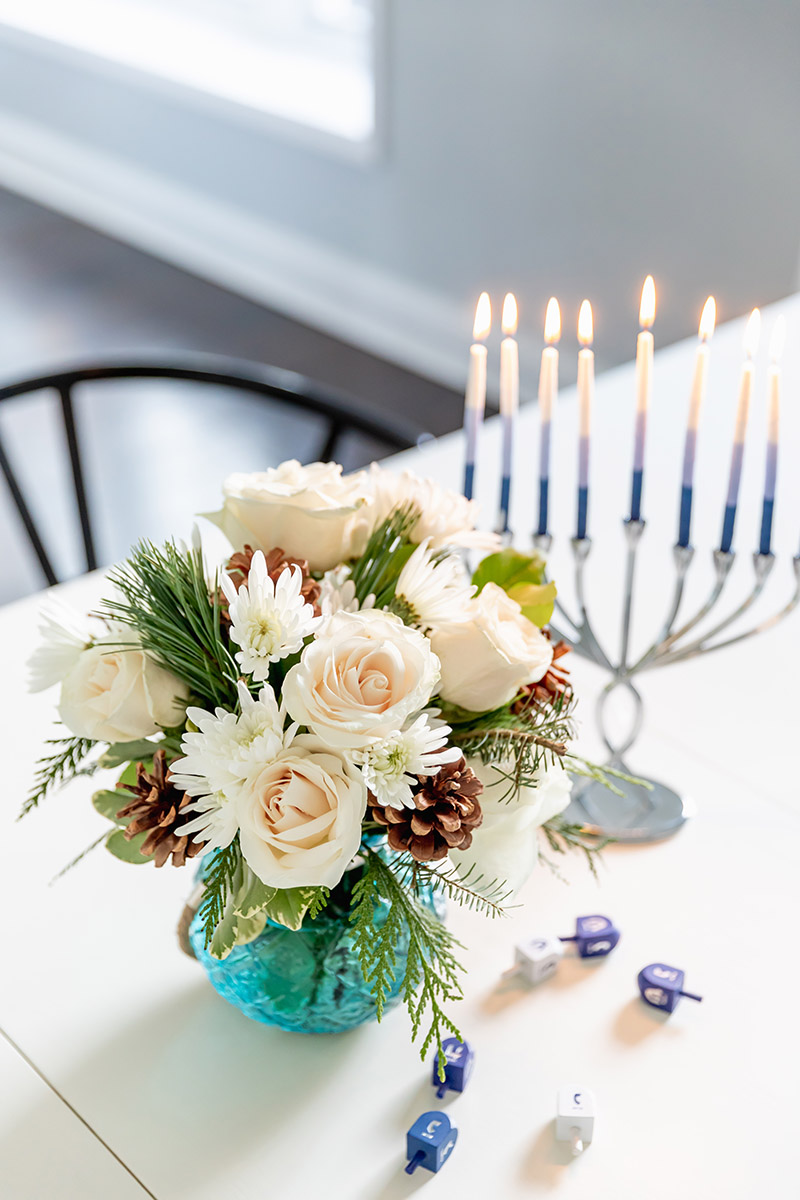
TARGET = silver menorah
x,y
646,813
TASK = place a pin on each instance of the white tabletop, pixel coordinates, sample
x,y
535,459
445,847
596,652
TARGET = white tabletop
x,y
200,1102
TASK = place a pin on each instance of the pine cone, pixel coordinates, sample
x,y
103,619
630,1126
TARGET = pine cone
x,y
158,806
552,685
447,811
239,570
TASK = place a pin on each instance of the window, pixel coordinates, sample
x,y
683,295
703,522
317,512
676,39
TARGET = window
x,y
308,62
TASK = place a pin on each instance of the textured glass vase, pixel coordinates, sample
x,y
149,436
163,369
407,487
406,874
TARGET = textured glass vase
x,y
308,981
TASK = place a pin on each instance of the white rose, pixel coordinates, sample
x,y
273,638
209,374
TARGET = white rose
x,y
361,678
310,512
486,659
446,518
505,847
116,695
300,817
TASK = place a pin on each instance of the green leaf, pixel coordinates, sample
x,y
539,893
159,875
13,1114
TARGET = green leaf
x,y
536,600
124,752
127,851
108,803
290,905
249,928
508,567
224,938
253,897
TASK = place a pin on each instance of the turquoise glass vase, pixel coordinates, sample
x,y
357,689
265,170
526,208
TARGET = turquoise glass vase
x,y
309,980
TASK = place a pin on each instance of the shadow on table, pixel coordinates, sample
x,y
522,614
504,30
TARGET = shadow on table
x,y
192,1072
547,1159
512,989
637,1021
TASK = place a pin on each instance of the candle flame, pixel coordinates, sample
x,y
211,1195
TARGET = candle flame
x,y
585,324
552,322
647,308
752,334
483,317
510,316
708,320
777,340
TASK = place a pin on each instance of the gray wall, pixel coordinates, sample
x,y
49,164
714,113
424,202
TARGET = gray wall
x,y
546,147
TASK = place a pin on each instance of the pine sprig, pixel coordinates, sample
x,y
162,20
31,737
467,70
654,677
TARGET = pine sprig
x,y
318,902
563,836
387,551
471,890
432,970
168,601
219,878
57,768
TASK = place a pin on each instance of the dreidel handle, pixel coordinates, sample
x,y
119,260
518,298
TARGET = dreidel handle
x,y
576,1140
442,1088
414,1162
690,995
573,937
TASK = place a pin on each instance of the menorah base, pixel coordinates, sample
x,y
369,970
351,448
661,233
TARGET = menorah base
x,y
640,814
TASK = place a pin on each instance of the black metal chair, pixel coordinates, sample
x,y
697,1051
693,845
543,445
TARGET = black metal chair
x,y
342,414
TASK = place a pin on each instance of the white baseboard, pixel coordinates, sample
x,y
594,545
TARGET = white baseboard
x,y
311,282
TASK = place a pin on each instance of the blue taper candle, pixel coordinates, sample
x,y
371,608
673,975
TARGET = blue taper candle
x,y
509,404
770,478
475,398
751,338
585,397
707,322
644,377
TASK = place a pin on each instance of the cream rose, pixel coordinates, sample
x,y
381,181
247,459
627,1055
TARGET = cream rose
x,y
506,845
310,512
361,678
488,657
300,817
117,695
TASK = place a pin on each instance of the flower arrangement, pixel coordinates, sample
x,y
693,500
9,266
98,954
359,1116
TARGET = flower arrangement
x,y
341,717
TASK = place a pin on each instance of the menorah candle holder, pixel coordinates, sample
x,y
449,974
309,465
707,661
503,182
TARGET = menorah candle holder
x,y
646,813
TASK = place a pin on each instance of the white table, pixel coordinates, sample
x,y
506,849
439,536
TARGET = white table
x,y
199,1102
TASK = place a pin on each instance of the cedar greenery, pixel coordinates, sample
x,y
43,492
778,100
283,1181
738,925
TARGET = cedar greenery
x,y
432,970
55,769
219,877
387,551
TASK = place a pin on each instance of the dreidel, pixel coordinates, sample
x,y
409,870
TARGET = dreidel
x,y
459,1060
537,957
594,936
575,1111
429,1142
662,986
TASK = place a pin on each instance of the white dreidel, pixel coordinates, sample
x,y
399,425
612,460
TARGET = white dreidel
x,y
575,1111
537,958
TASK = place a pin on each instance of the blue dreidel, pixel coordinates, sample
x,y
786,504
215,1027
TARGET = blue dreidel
x,y
595,936
459,1059
429,1142
662,986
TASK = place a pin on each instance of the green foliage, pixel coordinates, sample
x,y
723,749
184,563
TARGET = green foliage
x,y
222,877
432,971
387,552
127,851
166,599
533,738
471,890
289,906
108,802
563,836
522,577
141,750
55,769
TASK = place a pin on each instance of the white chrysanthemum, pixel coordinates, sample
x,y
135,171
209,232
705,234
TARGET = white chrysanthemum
x,y
227,746
446,517
390,767
435,589
338,593
62,644
227,750
268,620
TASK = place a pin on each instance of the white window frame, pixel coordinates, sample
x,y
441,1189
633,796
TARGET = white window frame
x,y
365,149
